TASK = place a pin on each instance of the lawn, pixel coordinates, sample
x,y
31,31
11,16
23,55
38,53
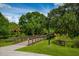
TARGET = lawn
x,y
6,42
54,50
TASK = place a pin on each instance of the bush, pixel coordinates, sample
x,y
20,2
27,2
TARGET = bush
x,y
63,40
70,44
60,42
76,43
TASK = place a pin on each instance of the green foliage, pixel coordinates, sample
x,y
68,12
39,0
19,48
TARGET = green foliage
x,y
76,43
64,40
65,19
62,37
8,29
69,42
4,30
32,23
14,29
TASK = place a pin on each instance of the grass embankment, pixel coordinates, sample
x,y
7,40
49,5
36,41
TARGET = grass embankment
x,y
6,42
54,50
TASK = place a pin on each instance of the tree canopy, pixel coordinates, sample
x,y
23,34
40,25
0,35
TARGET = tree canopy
x,y
4,30
33,23
65,19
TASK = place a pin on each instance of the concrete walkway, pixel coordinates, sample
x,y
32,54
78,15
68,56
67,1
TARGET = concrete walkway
x,y
10,50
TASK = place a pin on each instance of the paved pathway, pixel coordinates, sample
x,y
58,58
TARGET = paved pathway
x,y
10,50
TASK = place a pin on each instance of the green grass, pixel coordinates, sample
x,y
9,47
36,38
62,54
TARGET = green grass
x,y
54,50
6,42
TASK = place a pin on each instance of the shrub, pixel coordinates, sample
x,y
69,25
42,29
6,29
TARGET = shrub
x,y
63,40
76,43
60,42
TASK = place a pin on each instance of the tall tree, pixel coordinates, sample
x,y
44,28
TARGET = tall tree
x,y
4,30
65,19
32,23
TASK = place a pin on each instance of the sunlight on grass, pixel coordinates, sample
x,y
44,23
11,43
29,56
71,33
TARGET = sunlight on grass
x,y
42,48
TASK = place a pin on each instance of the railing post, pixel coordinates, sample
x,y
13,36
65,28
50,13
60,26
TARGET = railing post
x,y
28,42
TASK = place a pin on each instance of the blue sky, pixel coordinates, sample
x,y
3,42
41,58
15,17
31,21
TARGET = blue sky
x,y
13,11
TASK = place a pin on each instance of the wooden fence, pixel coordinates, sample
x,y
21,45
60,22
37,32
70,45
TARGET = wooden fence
x,y
30,39
35,39
17,39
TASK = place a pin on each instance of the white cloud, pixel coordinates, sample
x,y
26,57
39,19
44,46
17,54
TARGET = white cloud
x,y
58,4
13,13
12,17
17,10
5,6
46,9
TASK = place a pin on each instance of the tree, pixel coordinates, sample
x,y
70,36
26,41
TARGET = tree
x,y
14,29
64,19
32,23
4,30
